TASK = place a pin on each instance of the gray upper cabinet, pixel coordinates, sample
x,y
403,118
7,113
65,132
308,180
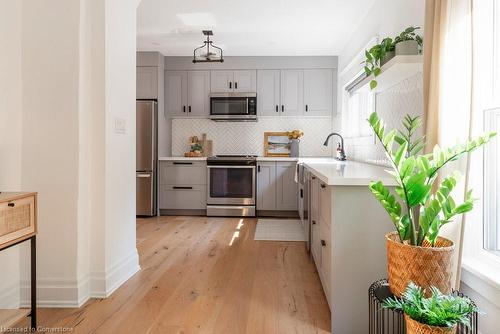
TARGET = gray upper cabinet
x,y
198,93
318,92
292,92
176,93
221,81
266,186
287,188
268,92
147,82
243,81
187,93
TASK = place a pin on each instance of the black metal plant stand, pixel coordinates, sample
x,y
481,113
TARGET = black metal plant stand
x,y
385,321
33,276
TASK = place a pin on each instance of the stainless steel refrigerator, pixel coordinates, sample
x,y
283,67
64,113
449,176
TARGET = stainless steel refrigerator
x,y
146,157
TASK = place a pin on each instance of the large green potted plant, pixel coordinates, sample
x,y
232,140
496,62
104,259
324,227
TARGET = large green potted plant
x,y
438,314
420,207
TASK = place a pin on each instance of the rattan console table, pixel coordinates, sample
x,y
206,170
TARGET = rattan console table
x,y
18,223
385,321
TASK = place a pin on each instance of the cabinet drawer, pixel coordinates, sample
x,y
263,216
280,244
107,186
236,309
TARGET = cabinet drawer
x,y
183,197
183,173
17,219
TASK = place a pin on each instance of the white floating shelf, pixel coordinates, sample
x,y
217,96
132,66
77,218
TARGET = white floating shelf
x,y
393,72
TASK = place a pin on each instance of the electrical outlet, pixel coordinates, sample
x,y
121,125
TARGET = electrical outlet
x,y
120,125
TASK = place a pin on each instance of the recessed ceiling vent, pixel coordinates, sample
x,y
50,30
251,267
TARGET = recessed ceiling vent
x,y
208,52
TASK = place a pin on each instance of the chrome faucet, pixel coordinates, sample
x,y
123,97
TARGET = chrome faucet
x,y
342,152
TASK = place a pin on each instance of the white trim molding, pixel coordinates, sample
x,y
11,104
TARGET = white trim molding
x,y
65,292
103,284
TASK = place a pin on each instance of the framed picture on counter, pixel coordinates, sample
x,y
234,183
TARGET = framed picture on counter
x,y
276,144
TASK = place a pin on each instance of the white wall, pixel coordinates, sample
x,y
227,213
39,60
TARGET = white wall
x,y
120,71
50,65
69,73
10,133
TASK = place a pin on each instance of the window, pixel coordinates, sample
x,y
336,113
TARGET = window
x,y
491,228
357,108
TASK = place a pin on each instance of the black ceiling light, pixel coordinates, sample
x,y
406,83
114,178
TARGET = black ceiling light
x,y
208,53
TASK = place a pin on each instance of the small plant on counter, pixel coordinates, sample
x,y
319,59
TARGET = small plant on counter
x,y
439,310
419,214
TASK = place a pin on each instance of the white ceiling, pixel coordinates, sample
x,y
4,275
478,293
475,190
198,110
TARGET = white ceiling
x,y
249,28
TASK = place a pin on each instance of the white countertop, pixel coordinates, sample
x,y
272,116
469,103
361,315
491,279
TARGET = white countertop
x,y
348,173
332,172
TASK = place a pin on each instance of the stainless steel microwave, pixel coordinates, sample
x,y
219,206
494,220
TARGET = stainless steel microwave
x,y
233,107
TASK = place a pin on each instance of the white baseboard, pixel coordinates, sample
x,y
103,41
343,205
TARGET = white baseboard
x,y
10,297
61,293
103,284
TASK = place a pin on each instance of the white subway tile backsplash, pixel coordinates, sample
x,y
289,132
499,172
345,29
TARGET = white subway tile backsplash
x,y
391,105
248,137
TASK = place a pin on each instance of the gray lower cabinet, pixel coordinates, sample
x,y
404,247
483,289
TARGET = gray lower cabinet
x,y
276,186
266,186
287,192
183,185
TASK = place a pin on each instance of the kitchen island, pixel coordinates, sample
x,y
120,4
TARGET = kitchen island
x,y
347,227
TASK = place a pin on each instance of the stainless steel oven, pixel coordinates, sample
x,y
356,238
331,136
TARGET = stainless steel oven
x,y
231,186
233,107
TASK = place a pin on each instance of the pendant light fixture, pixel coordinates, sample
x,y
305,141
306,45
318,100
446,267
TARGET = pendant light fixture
x,y
208,53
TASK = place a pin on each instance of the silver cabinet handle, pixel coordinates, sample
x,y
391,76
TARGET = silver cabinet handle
x,y
144,175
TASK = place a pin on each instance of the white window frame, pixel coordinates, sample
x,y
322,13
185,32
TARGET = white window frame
x,y
491,188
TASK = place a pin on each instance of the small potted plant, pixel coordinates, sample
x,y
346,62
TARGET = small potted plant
x,y
438,314
408,42
416,252
376,57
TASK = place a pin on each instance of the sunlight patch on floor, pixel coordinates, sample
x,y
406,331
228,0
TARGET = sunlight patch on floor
x,y
236,233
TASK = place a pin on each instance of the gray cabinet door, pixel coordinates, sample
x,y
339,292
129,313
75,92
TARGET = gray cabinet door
x,y
266,186
318,92
198,93
287,189
221,81
292,92
176,93
147,82
245,81
268,92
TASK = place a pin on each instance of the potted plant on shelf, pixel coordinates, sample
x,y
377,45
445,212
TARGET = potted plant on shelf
x,y
408,42
438,314
416,252
376,57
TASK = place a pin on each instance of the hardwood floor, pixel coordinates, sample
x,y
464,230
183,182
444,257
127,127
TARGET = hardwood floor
x,y
207,275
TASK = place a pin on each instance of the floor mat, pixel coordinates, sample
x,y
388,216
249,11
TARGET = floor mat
x,y
279,230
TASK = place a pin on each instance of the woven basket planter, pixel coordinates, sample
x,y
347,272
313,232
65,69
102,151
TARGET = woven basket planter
x,y
425,266
415,327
